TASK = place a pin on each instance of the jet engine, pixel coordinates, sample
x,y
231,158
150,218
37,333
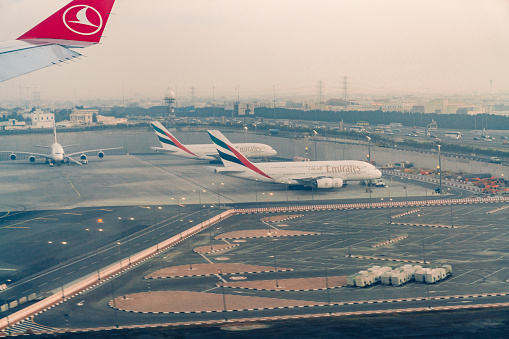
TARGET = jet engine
x,y
328,183
83,159
100,154
13,156
31,158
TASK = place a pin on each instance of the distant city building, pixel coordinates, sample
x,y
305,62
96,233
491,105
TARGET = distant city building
x,y
440,106
243,109
82,116
104,120
12,124
39,119
398,106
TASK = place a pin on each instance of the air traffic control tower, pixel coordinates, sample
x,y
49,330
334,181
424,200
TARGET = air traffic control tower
x,y
170,98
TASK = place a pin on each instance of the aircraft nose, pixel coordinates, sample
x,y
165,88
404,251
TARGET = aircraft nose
x,y
378,173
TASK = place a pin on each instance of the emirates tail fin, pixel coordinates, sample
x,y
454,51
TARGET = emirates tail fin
x,y
232,158
80,23
166,138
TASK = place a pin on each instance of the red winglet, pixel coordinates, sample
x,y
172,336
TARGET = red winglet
x,y
80,23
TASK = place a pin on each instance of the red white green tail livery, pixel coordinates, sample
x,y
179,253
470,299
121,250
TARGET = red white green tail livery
x,y
171,145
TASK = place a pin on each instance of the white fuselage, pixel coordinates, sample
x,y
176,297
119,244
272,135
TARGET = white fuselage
x,y
209,151
57,153
295,173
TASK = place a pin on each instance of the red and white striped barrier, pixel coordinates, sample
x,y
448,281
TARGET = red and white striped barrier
x,y
108,272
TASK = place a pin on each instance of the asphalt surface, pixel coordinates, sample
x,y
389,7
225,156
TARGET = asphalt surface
x,y
474,248
39,211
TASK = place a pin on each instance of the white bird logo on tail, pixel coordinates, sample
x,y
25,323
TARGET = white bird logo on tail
x,y
82,21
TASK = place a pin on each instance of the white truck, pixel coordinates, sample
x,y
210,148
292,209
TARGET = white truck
x,y
373,182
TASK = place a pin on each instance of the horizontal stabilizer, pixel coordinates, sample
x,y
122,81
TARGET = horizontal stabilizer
x,y
164,150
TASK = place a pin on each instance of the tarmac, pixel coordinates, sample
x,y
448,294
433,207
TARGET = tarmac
x,y
153,179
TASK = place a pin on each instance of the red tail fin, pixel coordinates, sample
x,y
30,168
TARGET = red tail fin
x,y
80,23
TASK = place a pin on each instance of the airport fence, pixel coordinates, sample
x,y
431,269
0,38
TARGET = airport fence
x,y
462,184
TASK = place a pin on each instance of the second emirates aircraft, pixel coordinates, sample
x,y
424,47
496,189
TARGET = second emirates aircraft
x,y
172,146
319,174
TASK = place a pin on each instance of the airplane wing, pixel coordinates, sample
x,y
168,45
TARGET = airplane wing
x,y
41,146
78,24
47,156
21,58
92,150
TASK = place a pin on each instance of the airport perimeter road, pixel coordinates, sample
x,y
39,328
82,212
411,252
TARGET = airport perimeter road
x,y
45,250
469,238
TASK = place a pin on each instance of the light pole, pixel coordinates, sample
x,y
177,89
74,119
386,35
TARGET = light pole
x,y
348,234
224,300
439,167
256,192
425,262
96,250
157,244
267,195
406,197
199,196
275,263
327,286
189,249
128,245
120,255
286,191
180,213
452,220
199,201
60,264
369,147
316,155
218,197
389,219
245,130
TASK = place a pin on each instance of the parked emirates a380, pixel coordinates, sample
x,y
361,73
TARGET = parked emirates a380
x,y
58,155
320,174
172,146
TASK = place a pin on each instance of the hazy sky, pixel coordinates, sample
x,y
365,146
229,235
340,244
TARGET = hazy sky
x,y
444,46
